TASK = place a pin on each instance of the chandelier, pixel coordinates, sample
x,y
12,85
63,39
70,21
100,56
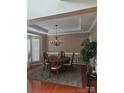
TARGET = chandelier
x,y
56,42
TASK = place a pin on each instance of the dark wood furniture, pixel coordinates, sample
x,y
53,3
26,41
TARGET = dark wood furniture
x,y
46,61
61,54
70,63
64,60
91,79
55,64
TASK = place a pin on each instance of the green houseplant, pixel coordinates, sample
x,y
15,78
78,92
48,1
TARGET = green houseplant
x,y
89,50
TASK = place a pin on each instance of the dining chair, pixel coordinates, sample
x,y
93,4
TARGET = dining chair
x,y
70,64
46,61
61,54
55,64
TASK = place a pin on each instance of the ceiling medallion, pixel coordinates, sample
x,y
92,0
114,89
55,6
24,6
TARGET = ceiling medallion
x,y
56,42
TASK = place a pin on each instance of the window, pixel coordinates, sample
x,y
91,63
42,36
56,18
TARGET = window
x,y
33,48
29,50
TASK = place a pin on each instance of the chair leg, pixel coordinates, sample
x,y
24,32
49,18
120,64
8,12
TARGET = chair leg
x,y
72,68
88,89
44,68
47,66
49,73
57,72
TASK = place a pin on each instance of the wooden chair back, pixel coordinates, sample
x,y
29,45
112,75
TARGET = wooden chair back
x,y
54,61
45,57
61,54
72,59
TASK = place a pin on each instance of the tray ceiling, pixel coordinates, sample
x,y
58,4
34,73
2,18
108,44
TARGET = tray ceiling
x,y
75,24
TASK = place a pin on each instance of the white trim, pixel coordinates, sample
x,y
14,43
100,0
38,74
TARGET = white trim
x,y
37,27
33,31
93,24
66,53
52,34
30,34
65,33
75,29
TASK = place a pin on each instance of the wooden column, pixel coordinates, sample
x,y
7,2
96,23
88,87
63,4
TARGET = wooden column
x,y
84,76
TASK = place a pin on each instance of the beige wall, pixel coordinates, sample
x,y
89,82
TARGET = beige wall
x,y
93,33
44,43
71,43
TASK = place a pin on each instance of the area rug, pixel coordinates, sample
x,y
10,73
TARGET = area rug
x,y
67,77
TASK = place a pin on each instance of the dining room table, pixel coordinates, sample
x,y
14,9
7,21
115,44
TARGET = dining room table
x,y
65,59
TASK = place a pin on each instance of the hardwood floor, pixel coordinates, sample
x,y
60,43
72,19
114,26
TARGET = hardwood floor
x,y
45,87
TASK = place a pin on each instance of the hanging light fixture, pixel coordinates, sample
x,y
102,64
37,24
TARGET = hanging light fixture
x,y
56,42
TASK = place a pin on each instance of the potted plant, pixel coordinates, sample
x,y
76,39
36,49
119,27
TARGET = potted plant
x,y
88,51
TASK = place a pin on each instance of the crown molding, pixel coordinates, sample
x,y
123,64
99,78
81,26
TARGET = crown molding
x,y
74,31
66,33
35,31
93,24
35,26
